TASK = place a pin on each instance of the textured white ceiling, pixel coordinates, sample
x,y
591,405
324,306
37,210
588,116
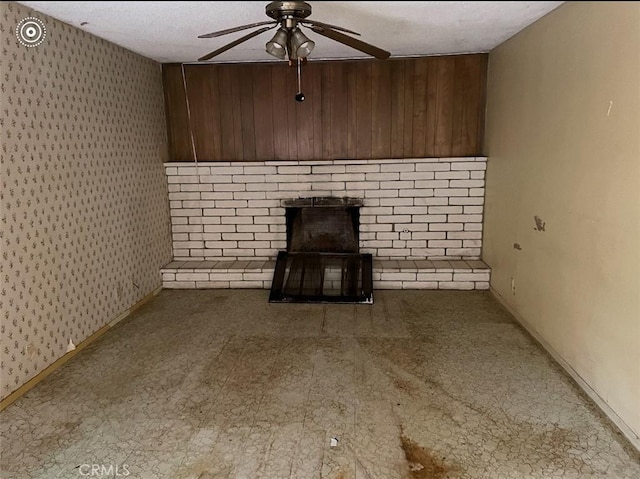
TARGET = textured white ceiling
x,y
167,31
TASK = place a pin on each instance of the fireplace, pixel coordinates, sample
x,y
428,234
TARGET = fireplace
x,y
322,262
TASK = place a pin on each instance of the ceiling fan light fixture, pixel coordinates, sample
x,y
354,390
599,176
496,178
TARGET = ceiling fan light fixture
x,y
277,46
300,44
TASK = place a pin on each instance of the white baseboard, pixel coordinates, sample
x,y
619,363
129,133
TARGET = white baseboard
x,y
622,426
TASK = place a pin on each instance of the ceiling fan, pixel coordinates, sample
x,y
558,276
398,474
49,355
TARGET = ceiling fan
x,y
289,41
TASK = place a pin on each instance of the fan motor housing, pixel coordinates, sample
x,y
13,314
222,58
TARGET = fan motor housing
x,y
280,10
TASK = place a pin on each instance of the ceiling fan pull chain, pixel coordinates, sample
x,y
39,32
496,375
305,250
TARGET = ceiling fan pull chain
x,y
300,95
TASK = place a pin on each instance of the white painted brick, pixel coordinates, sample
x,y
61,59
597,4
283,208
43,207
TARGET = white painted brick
x,y
404,227
355,177
476,192
292,189
387,235
432,184
279,244
229,187
396,202
471,276
393,219
259,170
466,183
328,186
393,252
294,170
246,253
187,244
397,276
261,187
231,203
433,166
249,178
219,212
211,237
379,244
196,187
464,235
173,188
219,195
473,226
445,209
362,168
253,243
376,227
282,178
434,276
409,210
429,218
421,285
237,236
249,195
216,179
466,252
472,243
428,235
465,218
226,170
451,192
397,167
262,276
414,193
175,204
452,175
430,201
195,237
384,210
175,220
478,175
187,195
226,276
221,244
396,185
328,169
457,285
237,220
252,211
269,220
375,193
171,171
264,203
477,200
280,227
416,175
445,243
362,185
389,176
367,236
471,165
252,228
219,228
445,227
186,212
187,171
482,285
186,228
473,210
192,276
168,276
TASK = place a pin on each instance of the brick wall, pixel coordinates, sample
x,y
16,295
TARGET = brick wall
x,y
413,208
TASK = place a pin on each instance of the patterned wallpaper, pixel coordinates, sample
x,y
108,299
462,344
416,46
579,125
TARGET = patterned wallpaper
x,y
84,207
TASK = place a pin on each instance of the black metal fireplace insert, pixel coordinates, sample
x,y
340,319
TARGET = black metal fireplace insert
x,y
322,263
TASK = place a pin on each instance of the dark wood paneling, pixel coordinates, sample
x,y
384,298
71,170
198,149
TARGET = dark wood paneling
x,y
400,108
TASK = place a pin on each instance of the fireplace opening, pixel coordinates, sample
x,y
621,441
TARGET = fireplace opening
x,y
322,262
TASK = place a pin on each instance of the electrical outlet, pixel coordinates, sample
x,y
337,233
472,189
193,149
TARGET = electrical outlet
x,y
513,285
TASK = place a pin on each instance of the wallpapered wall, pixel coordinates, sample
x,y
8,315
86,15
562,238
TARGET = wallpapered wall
x,y
84,211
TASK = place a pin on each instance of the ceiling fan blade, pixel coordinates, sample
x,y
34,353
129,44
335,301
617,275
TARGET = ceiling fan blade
x,y
327,25
379,53
235,29
234,43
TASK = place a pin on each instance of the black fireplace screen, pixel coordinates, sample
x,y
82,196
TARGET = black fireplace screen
x,y
322,262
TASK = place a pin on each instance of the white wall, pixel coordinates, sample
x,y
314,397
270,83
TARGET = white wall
x,y
563,142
